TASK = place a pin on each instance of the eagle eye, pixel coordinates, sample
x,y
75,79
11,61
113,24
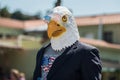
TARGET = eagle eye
x,y
64,18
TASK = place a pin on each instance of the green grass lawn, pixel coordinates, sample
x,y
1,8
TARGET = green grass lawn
x,y
26,44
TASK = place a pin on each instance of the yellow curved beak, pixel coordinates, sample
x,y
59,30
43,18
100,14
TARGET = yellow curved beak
x,y
55,29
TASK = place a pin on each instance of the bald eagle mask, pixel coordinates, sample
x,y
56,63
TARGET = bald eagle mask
x,y
62,28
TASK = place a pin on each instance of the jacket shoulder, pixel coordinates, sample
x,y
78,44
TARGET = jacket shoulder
x,y
85,46
87,49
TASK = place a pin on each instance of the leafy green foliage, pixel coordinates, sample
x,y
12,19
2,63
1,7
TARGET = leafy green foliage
x,y
20,16
58,3
4,12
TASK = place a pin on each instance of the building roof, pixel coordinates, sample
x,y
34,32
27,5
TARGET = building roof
x,y
35,25
96,20
6,22
28,25
81,21
100,43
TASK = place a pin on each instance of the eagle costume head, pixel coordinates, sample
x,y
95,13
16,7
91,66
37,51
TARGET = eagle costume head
x,y
62,28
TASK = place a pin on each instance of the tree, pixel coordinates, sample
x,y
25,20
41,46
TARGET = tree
x,y
17,15
20,16
37,15
4,12
58,3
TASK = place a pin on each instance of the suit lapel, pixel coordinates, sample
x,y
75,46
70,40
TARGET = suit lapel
x,y
60,61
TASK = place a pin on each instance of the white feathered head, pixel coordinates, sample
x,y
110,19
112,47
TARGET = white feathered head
x,y
62,28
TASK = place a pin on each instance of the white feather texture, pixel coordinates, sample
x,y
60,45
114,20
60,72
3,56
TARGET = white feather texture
x,y
70,36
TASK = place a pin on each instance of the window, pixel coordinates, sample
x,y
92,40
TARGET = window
x,y
108,36
89,36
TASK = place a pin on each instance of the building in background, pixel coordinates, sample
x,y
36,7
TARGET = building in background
x,y
10,28
102,27
103,32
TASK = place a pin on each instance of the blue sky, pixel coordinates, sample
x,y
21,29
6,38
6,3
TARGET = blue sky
x,y
79,7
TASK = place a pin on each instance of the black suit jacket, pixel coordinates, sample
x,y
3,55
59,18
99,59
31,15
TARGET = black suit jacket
x,y
78,62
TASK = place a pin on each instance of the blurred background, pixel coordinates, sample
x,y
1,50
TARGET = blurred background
x,y
23,32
